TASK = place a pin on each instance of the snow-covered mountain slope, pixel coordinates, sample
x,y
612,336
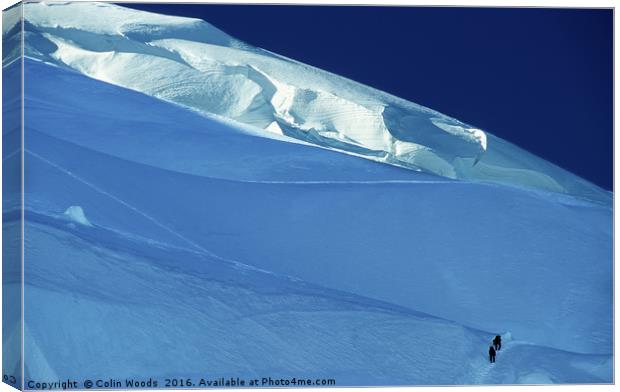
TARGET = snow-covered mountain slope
x,y
11,199
232,232
197,221
245,323
192,63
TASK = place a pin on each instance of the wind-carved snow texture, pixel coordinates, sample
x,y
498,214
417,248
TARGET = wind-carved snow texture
x,y
192,63
216,246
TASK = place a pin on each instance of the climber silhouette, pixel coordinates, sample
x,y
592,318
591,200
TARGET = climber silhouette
x,y
497,343
491,354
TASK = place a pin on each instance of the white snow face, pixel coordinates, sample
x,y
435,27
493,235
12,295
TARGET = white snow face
x,y
191,63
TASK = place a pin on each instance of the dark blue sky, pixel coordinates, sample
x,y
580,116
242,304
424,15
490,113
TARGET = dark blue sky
x,y
540,78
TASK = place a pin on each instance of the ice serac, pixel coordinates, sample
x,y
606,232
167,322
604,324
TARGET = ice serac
x,y
194,64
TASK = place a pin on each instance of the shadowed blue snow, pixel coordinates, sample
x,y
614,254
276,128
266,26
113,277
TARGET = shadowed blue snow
x,y
216,249
151,315
11,198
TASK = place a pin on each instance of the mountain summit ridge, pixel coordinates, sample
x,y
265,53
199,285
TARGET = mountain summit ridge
x,y
194,64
